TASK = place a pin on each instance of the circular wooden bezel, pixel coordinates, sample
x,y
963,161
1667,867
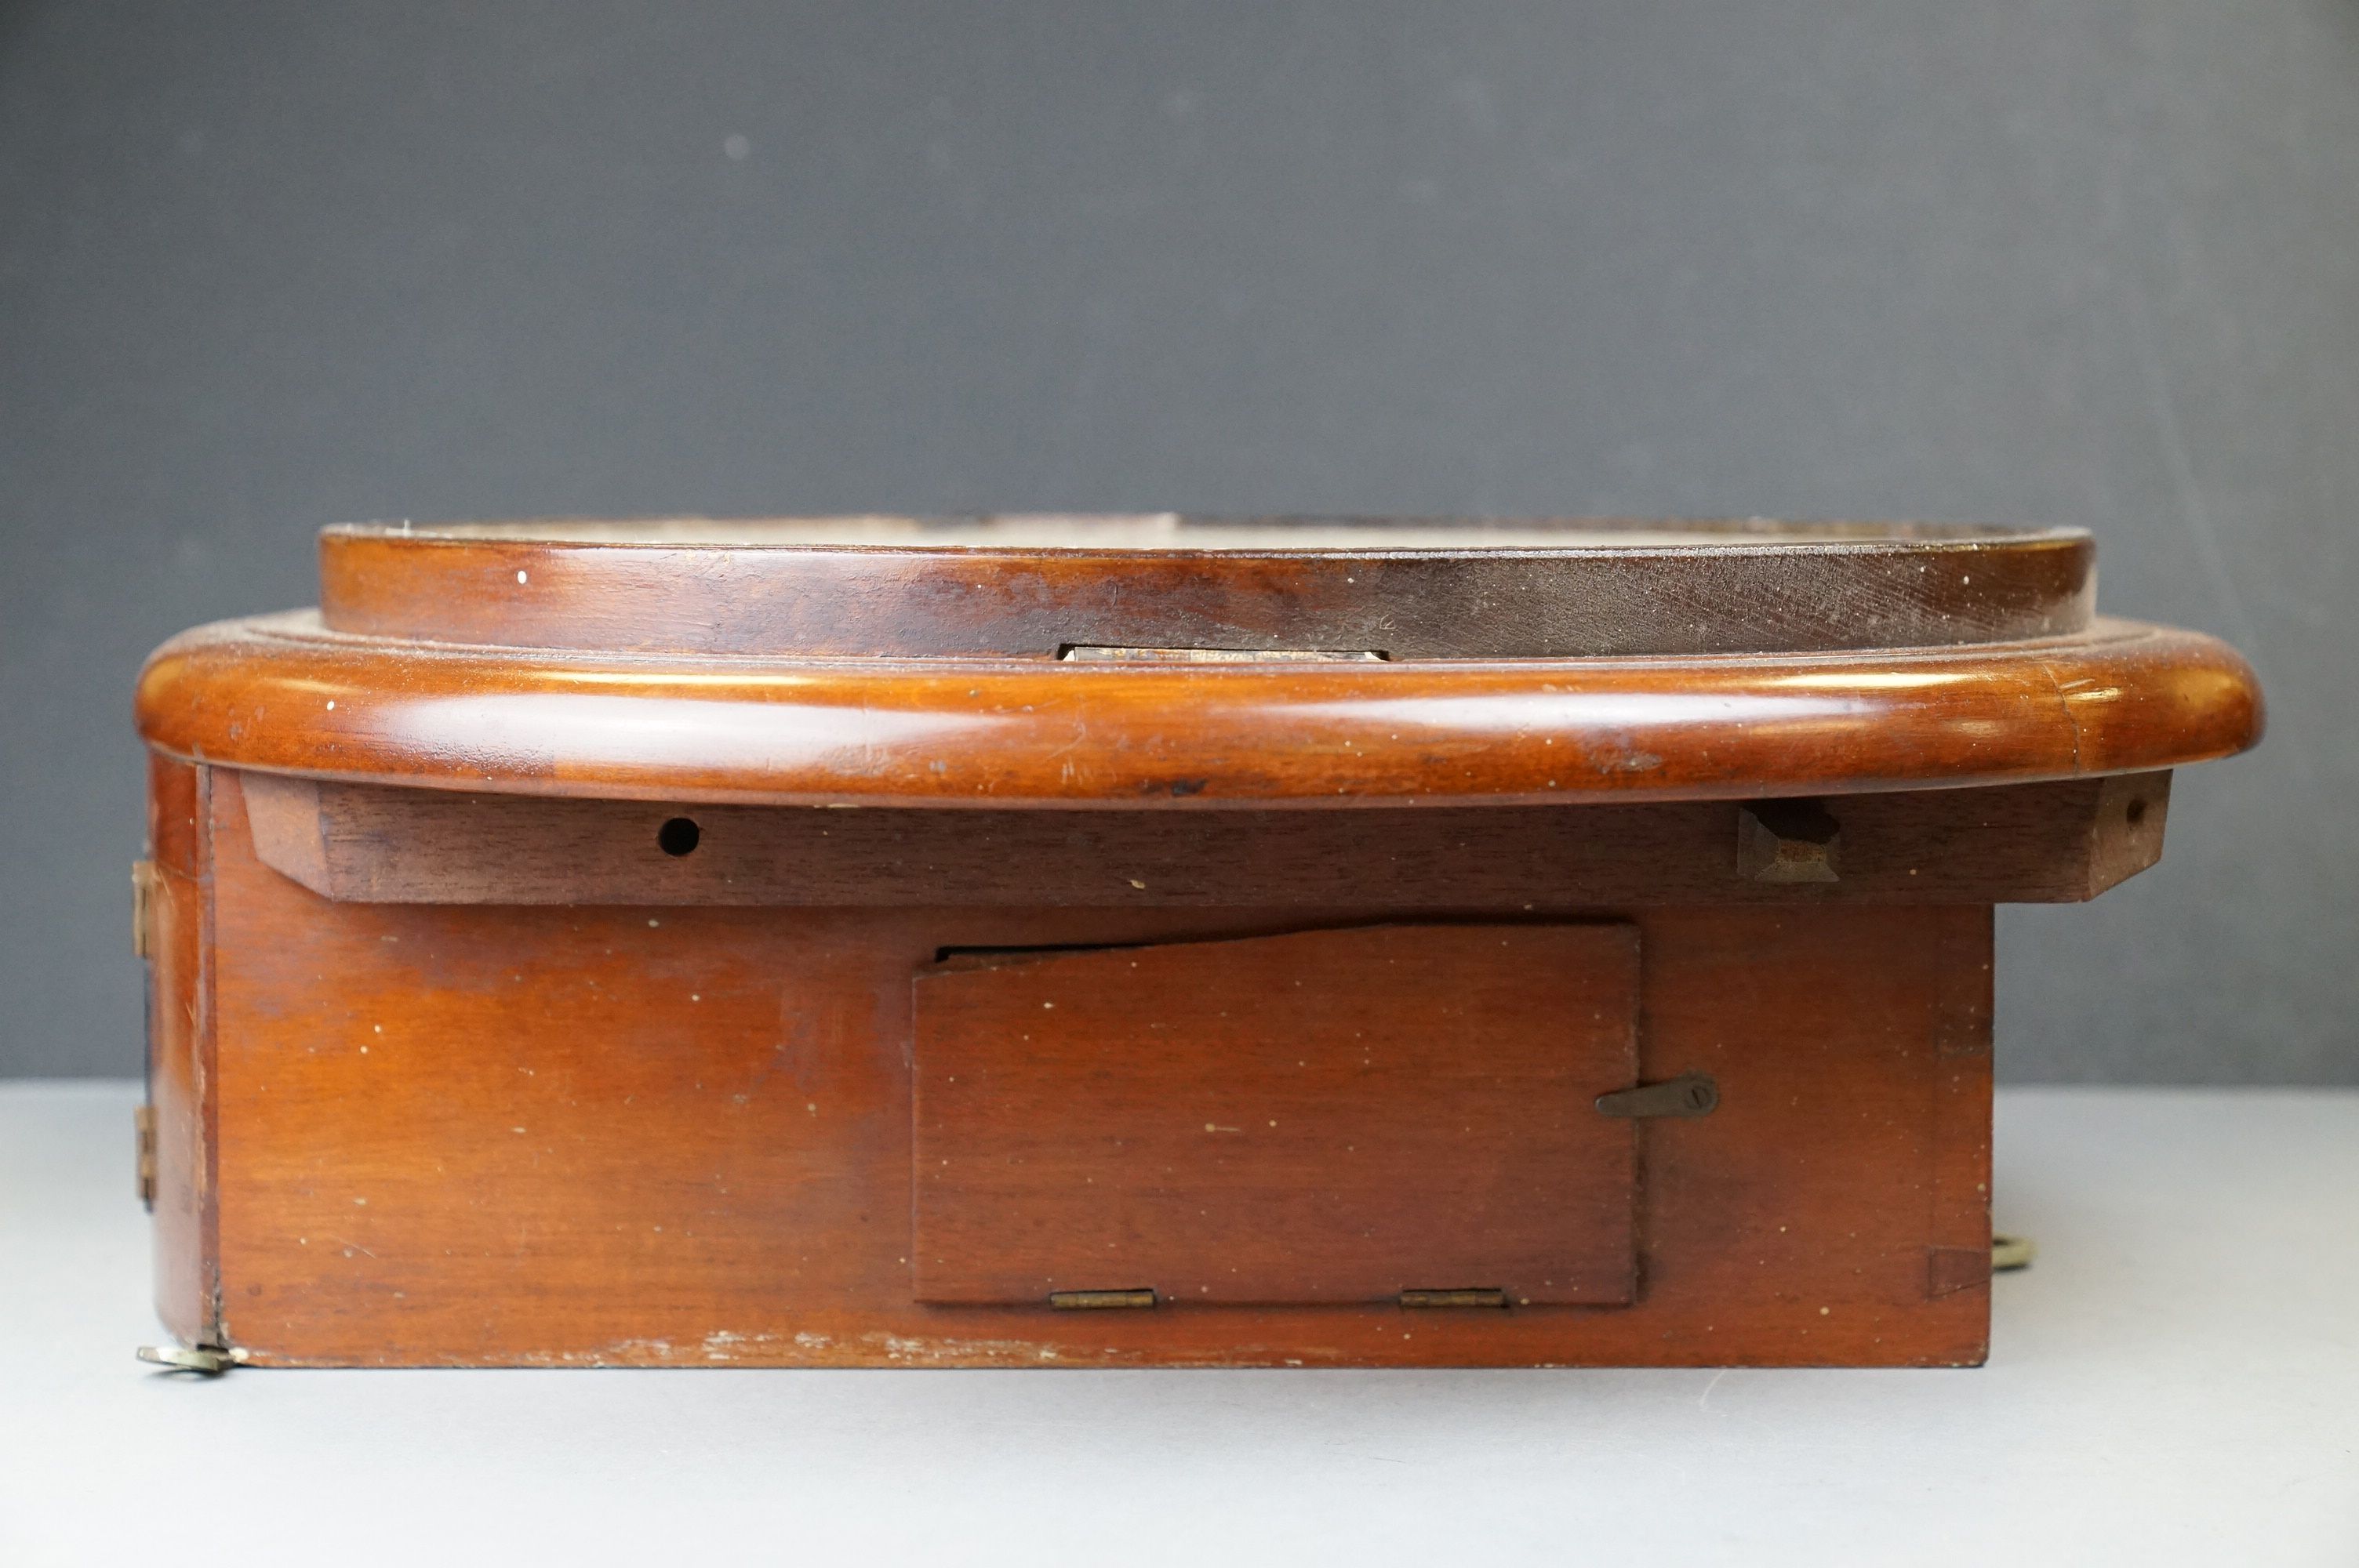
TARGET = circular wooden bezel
x,y
1039,588
284,695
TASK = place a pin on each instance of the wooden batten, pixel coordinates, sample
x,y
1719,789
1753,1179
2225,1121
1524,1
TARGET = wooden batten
x,y
2023,843
2125,828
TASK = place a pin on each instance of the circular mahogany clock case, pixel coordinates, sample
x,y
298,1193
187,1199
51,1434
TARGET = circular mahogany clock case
x,y
1337,943
1168,661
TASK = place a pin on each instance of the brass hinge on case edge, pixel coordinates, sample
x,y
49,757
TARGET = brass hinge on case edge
x,y
143,1122
142,907
1689,1093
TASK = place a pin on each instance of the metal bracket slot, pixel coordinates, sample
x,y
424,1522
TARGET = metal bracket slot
x,y
1788,842
1689,1093
1094,654
1099,1300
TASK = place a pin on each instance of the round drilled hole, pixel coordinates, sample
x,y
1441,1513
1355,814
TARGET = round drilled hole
x,y
2136,812
679,835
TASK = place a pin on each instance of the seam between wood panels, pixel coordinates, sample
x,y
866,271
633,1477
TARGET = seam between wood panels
x,y
208,1068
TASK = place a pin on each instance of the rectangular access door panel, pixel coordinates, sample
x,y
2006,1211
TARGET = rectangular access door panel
x,y
1326,1116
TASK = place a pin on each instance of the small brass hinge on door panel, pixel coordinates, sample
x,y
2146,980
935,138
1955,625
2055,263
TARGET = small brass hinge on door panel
x,y
1099,1300
1487,1297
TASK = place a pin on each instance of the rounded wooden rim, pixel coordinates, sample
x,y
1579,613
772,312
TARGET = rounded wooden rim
x,y
283,694
1035,588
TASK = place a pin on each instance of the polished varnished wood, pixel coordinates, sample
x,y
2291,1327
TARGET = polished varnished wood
x,y
1340,1115
174,912
280,695
1030,587
477,1135
865,942
2020,844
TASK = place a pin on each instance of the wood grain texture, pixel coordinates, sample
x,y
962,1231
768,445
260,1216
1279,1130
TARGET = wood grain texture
x,y
367,843
279,695
517,1004
481,1135
1326,1116
1957,1250
868,588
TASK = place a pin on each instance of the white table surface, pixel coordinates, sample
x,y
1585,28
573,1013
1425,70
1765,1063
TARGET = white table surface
x,y
2176,1380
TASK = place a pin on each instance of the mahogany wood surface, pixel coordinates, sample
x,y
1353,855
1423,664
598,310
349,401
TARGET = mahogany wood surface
x,y
1028,587
367,843
1324,1116
278,694
530,986
179,1046
466,1134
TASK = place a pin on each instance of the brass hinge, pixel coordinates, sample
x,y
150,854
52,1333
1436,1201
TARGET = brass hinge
x,y
1097,1301
1689,1093
143,1120
1458,1298
142,907
211,1361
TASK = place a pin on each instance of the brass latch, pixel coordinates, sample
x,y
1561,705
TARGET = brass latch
x,y
1689,1093
1094,1301
143,1121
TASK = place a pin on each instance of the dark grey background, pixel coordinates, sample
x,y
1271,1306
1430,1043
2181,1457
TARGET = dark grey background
x,y
2084,261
